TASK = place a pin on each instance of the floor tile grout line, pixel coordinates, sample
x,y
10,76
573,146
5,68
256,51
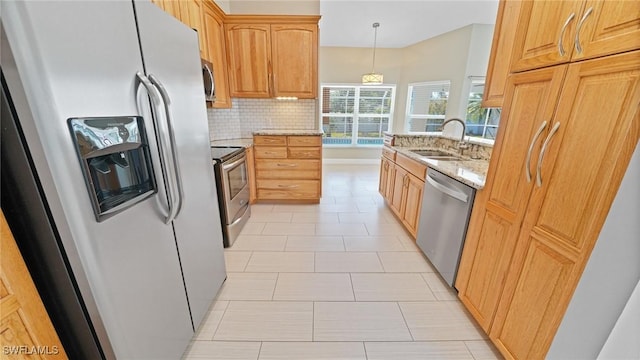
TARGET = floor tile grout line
x,y
260,350
405,321
353,289
275,286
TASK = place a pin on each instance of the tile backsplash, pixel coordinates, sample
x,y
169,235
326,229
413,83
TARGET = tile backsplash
x,y
248,115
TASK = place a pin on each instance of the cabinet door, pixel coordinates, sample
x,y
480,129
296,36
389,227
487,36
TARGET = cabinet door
x,y
383,183
249,54
191,15
545,33
412,204
499,208
609,27
294,51
581,171
217,53
399,176
501,52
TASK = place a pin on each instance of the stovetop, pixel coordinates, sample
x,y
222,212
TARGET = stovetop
x,y
224,153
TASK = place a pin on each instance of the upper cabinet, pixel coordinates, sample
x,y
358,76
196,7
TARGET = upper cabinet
x,y
213,21
189,12
271,56
500,58
249,54
294,57
573,30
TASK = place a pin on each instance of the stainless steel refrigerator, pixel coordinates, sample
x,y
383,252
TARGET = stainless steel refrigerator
x,y
143,271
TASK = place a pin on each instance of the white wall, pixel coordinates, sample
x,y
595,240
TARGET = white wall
x,y
225,5
612,272
275,7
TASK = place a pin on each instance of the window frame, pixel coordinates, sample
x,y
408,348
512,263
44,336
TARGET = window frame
x,y
408,115
485,123
356,112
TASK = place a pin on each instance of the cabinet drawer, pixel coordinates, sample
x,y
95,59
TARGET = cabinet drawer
x,y
305,152
267,152
288,189
389,153
270,140
304,140
414,167
288,169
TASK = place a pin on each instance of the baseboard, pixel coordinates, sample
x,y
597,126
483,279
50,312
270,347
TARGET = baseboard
x,y
351,161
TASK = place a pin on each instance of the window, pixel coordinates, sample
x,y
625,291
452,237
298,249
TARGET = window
x,y
356,115
426,106
481,122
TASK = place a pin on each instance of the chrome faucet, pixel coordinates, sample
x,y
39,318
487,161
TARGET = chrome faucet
x,y
462,145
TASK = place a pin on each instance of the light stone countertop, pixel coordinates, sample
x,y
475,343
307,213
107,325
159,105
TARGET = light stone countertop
x,y
274,132
243,142
468,171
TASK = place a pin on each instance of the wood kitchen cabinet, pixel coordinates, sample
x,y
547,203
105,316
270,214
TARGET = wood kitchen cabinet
x,y
272,56
385,185
288,167
251,174
554,32
530,237
213,20
401,184
501,53
189,12
500,207
23,317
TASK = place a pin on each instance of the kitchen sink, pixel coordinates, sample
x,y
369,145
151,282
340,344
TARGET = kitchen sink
x,y
436,155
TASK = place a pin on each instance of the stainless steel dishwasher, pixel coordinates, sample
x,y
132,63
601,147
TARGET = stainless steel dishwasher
x,y
446,206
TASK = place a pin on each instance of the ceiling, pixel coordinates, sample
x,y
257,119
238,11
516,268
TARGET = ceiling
x,y
349,23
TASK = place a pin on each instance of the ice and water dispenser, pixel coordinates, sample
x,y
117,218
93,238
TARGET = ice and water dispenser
x,y
115,160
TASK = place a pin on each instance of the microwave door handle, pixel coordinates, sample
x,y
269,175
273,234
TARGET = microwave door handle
x,y
156,100
213,85
172,142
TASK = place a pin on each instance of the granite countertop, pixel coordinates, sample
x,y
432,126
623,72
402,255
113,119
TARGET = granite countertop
x,y
275,132
468,171
243,142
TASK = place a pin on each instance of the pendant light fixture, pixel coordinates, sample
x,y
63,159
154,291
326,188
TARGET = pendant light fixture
x,y
373,78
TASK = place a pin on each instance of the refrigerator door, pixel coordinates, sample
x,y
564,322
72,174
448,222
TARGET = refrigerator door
x,y
171,57
80,58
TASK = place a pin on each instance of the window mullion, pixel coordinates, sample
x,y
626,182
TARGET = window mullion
x,y
356,115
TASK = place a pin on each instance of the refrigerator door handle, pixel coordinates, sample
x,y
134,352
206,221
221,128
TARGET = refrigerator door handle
x,y
172,140
156,100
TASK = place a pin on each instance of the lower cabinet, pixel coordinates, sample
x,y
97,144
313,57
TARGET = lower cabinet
x,y
288,167
401,185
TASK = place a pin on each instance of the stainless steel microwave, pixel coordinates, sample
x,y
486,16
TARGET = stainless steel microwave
x,y
209,84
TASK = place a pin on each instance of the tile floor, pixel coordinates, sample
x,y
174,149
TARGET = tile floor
x,y
337,280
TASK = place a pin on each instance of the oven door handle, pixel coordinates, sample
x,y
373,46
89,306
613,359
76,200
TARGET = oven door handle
x,y
241,159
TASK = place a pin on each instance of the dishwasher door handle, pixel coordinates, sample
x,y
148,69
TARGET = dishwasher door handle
x,y
454,193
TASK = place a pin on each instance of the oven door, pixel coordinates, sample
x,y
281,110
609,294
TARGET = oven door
x,y
235,186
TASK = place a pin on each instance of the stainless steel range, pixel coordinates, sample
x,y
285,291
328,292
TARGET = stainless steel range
x,y
230,165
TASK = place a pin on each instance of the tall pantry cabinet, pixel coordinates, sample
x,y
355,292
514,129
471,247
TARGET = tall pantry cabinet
x,y
569,127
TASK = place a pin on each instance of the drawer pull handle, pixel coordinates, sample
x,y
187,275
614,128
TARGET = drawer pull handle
x,y
287,165
288,186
